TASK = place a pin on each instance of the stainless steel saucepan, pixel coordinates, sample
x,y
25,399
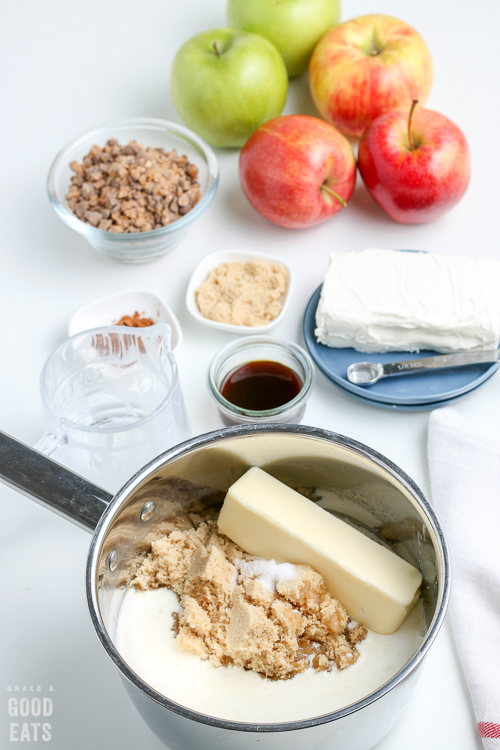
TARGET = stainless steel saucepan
x,y
346,477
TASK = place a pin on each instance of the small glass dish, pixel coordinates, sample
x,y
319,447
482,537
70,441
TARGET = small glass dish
x,y
261,349
143,246
201,273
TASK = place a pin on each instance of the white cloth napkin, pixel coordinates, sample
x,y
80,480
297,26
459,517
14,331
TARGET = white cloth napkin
x,y
465,484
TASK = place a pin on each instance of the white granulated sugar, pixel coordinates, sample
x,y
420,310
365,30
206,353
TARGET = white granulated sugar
x,y
235,578
268,572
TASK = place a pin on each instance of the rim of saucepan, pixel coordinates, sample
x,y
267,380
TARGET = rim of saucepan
x,y
107,520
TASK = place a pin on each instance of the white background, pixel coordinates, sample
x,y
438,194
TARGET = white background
x,y
67,66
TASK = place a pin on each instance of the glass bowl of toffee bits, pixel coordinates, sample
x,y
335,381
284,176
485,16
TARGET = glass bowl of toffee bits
x,y
133,188
261,379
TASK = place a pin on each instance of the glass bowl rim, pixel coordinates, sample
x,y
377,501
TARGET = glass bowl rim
x,y
148,123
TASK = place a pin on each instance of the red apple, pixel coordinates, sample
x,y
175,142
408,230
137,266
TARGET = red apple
x,y
297,170
365,67
416,166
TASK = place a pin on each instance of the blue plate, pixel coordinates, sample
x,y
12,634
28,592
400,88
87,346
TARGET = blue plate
x,y
430,389
406,407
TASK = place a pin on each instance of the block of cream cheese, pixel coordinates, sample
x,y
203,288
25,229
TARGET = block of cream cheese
x,y
267,518
390,300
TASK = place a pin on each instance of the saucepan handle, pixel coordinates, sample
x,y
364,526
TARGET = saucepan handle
x,y
50,484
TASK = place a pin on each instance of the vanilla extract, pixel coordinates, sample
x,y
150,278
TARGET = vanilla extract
x,y
261,385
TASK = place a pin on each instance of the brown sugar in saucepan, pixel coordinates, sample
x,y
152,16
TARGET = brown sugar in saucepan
x,y
233,616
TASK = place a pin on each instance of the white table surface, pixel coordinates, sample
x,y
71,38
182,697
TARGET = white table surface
x,y
67,66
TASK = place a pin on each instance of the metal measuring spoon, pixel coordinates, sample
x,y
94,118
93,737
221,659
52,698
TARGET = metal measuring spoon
x,y
368,373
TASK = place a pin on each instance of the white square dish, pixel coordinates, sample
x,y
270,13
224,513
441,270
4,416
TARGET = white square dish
x,y
200,275
108,311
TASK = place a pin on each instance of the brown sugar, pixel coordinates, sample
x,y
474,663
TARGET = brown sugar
x,y
249,294
277,620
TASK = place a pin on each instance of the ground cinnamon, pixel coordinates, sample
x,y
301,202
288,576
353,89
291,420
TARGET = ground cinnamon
x,y
135,321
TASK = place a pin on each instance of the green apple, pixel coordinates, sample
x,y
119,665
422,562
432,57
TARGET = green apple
x,y
226,83
294,26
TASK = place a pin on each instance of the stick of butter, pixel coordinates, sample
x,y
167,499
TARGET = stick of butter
x,y
267,518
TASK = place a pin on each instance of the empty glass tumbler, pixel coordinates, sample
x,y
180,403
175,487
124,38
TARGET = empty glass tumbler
x,y
111,402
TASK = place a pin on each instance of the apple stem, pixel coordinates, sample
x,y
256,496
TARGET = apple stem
x,y
216,48
335,195
410,138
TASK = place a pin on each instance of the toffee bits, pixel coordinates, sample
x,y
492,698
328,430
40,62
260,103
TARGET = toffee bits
x,y
129,189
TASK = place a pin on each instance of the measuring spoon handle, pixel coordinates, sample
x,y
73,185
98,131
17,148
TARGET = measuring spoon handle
x,y
457,359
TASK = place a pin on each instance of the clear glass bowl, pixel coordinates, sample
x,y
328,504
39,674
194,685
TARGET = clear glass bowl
x,y
143,246
254,349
